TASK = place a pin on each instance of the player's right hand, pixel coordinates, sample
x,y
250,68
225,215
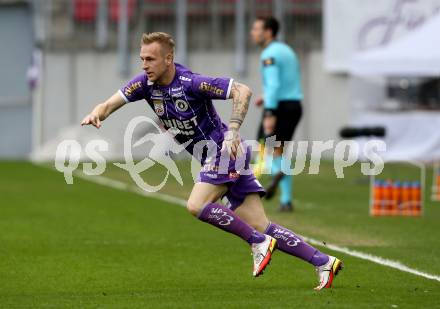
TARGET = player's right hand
x,y
269,124
232,144
91,119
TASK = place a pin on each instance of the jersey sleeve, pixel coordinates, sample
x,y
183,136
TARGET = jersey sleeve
x,y
135,89
211,87
271,76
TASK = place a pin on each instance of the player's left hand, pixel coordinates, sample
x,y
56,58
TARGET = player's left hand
x,y
232,144
269,124
259,102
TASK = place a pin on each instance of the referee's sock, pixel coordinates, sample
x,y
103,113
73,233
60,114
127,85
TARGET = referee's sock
x,y
276,165
286,189
277,175
285,184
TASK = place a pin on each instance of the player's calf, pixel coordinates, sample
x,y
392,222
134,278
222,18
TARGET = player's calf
x,y
225,219
326,266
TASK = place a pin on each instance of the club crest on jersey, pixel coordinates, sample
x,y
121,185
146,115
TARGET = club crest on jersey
x,y
181,105
158,107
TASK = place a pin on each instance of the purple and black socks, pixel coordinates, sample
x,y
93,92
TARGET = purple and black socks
x,y
290,243
287,241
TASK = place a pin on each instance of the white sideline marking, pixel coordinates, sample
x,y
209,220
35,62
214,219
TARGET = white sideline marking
x,y
120,185
181,202
373,258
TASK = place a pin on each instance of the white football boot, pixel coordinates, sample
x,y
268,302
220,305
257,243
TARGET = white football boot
x,y
262,253
327,272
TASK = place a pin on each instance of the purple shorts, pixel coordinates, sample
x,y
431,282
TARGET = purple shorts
x,y
240,183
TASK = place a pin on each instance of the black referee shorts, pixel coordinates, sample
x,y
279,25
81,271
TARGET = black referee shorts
x,y
288,114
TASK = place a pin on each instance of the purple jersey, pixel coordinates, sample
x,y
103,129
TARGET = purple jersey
x,y
185,104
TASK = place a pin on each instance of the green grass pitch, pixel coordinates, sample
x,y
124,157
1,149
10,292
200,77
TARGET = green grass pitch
x,y
89,246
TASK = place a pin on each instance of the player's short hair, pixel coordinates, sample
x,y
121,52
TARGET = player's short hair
x,y
162,38
270,23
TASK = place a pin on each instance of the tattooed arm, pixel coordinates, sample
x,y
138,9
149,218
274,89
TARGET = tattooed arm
x,y
240,95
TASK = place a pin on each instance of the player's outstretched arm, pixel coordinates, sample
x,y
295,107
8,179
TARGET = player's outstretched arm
x,y
103,110
240,95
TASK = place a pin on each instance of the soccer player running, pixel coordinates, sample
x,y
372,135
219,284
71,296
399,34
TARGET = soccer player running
x,y
282,100
183,102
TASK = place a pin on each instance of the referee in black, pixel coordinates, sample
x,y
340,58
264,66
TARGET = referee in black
x,y
280,70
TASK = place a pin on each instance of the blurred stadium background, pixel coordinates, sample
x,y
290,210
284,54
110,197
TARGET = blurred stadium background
x,y
85,50
364,64
63,57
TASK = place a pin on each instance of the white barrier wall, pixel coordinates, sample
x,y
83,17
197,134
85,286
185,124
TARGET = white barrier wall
x,y
15,102
329,105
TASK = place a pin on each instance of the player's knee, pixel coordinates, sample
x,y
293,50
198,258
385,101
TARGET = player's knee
x,y
260,225
193,207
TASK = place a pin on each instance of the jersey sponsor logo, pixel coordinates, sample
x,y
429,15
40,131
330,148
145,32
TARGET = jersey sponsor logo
x,y
177,89
186,79
268,61
181,105
205,86
159,107
162,146
131,88
183,127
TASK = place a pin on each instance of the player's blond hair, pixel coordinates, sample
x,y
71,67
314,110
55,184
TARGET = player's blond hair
x,y
164,39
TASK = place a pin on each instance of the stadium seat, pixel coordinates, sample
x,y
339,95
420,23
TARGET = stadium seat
x,y
114,9
85,10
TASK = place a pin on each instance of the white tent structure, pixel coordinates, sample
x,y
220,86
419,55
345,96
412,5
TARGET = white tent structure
x,y
416,54
410,135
